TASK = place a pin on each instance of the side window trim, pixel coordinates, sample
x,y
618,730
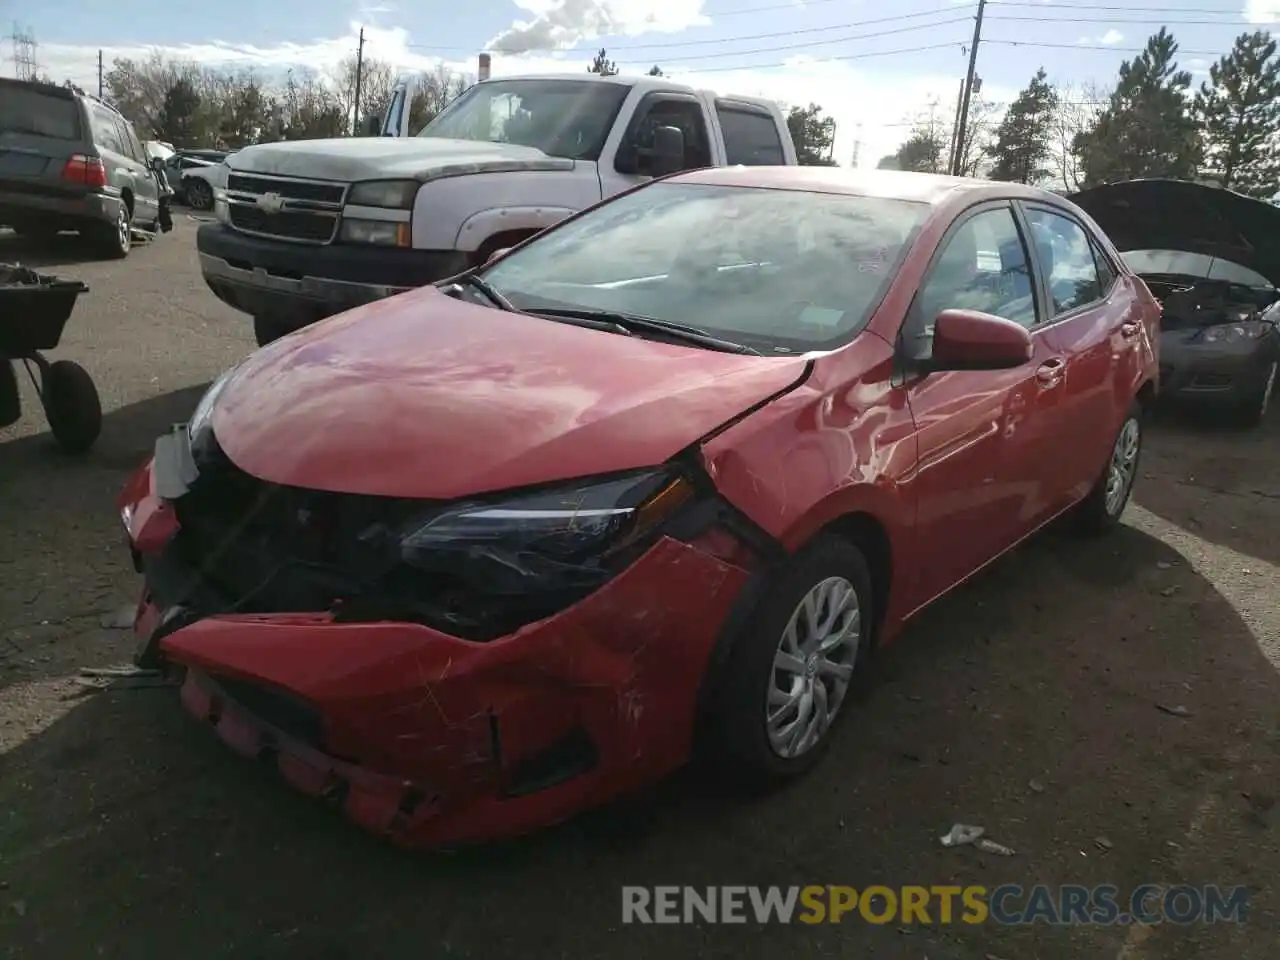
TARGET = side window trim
x,y
1088,235
658,98
969,213
724,105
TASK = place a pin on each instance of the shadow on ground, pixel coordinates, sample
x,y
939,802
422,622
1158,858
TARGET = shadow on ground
x,y
1218,482
63,562
128,831
65,249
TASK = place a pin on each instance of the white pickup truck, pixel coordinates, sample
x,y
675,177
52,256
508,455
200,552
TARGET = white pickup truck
x,y
310,228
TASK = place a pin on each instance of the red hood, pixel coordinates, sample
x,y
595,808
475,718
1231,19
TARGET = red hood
x,y
425,396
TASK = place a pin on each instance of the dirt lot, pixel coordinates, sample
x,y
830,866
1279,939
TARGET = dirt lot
x,y
128,831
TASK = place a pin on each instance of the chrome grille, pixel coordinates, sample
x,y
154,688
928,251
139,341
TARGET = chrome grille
x,y
285,208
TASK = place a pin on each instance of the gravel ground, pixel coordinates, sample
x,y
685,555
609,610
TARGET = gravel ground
x,y
1028,703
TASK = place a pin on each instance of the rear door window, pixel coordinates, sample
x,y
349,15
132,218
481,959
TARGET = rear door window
x,y
24,110
106,133
750,136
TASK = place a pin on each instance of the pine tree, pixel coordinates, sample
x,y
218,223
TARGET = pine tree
x,y
1021,152
1239,109
1147,128
603,65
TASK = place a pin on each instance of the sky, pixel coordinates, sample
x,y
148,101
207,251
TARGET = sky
x,y
872,67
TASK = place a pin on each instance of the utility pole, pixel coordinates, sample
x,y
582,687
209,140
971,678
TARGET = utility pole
x,y
99,74
955,129
355,110
968,88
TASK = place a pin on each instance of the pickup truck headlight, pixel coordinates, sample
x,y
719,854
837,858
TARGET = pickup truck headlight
x,y
382,233
1236,332
562,539
393,194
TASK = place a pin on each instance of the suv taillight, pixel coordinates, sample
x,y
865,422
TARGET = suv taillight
x,y
87,170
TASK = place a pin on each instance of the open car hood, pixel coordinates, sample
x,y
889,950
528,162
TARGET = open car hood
x,y
1190,217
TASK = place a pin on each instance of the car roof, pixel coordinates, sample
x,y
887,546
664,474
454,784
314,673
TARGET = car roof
x,y
931,188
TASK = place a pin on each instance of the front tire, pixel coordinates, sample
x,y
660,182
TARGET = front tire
x,y
787,679
1254,411
199,195
1101,510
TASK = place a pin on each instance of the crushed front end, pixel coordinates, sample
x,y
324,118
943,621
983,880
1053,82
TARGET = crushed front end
x,y
449,690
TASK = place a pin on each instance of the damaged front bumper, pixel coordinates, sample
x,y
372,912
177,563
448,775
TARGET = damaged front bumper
x,y
433,740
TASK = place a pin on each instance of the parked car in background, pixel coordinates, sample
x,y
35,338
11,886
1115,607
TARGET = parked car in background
x,y
196,174
69,161
664,472
311,228
1212,257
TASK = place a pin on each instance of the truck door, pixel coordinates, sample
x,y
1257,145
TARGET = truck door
x,y
632,154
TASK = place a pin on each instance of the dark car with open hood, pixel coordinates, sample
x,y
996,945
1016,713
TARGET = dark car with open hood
x,y
469,559
1212,258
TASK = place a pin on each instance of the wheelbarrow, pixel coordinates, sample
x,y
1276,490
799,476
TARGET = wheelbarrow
x,y
34,309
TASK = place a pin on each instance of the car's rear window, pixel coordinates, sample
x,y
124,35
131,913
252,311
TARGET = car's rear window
x,y
23,110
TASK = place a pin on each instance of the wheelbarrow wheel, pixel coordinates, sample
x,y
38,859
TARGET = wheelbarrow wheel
x,y
71,406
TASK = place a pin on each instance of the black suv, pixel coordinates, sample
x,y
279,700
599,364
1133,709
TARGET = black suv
x,y
68,161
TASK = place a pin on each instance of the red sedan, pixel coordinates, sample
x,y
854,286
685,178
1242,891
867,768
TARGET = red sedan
x,y
473,558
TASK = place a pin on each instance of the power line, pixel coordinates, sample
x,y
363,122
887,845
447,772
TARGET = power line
x,y
1158,11
1096,20
958,44
816,43
950,9
1086,46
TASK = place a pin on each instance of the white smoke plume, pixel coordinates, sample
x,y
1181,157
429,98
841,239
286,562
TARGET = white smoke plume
x,y
561,24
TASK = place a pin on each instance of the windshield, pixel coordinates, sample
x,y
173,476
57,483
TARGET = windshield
x,y
562,118
782,271
24,110
1183,264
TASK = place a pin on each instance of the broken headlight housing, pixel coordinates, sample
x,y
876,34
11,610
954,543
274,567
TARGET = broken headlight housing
x,y
202,416
568,539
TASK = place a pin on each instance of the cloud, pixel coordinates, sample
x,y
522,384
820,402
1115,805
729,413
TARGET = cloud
x,y
561,24
871,104
1108,39
1262,11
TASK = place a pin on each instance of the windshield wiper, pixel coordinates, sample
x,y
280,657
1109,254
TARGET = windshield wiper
x,y
634,323
486,289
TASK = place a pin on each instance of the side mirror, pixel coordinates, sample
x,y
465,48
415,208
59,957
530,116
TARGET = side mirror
x,y
372,125
500,252
972,340
668,151
156,164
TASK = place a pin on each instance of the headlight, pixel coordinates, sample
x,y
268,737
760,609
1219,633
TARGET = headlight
x,y
204,409
377,232
564,538
395,194
1235,332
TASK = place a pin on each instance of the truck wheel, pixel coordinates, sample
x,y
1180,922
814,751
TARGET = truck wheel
x,y
115,239
269,329
198,193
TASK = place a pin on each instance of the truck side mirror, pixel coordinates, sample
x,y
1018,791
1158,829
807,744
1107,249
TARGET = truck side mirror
x,y
668,151
372,125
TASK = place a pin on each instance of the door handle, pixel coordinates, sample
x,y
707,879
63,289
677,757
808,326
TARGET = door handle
x,y
1130,331
1050,372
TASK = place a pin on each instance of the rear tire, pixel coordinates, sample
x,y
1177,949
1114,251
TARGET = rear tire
x,y
1101,510
71,405
115,239
767,685
269,329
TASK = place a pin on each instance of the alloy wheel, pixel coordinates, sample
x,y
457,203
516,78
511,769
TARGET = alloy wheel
x,y
1267,390
812,667
1123,467
124,230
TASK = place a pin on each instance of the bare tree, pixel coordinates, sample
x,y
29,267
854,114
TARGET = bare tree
x,y
378,80
1078,108
432,93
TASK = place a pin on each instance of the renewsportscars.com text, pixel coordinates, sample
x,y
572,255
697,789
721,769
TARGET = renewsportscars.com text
x,y
1009,904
